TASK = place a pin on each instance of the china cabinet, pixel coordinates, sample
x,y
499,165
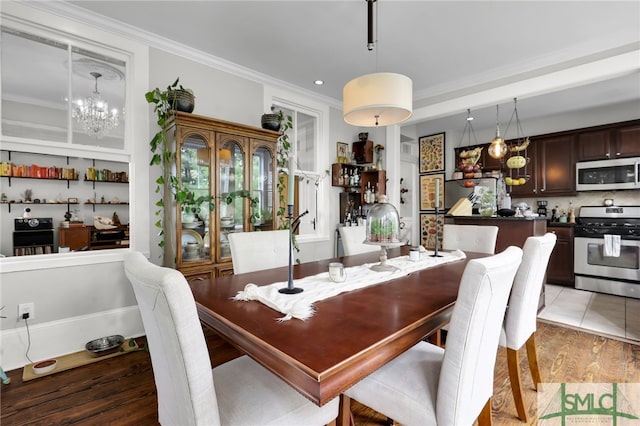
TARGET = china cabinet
x,y
234,163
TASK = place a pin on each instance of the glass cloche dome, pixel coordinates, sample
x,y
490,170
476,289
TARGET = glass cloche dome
x,y
383,229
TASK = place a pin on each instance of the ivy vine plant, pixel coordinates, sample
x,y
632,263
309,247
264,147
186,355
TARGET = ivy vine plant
x,y
168,185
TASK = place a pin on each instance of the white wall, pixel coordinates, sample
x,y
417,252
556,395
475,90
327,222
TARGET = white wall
x,y
78,296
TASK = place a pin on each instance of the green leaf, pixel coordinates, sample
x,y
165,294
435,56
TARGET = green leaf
x,y
155,160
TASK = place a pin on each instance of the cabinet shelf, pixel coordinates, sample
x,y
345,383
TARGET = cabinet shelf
x,y
36,204
38,178
106,181
376,179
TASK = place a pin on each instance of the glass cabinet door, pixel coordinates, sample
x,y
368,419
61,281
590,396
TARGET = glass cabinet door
x,y
262,188
232,177
195,180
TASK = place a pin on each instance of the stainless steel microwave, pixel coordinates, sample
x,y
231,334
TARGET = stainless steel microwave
x,y
605,175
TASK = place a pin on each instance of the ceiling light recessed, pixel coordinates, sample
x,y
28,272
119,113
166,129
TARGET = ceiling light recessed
x,y
318,82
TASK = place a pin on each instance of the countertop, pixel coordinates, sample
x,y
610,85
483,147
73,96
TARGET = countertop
x,y
561,224
511,218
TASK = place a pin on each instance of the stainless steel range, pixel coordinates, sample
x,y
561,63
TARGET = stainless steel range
x,y
607,250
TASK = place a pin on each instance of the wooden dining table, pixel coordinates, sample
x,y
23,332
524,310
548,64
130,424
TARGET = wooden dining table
x,y
349,336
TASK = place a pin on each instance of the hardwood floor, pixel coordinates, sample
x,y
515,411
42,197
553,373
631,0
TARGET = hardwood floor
x,y
121,391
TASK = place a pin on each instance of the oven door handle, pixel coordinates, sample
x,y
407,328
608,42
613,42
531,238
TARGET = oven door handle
x,y
637,173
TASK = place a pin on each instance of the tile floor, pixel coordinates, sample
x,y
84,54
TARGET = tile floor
x,y
604,314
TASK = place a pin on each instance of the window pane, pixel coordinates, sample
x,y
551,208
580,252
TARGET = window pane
x,y
92,128
305,141
262,188
34,87
308,194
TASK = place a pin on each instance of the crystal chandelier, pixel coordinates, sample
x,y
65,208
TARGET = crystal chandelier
x,y
93,113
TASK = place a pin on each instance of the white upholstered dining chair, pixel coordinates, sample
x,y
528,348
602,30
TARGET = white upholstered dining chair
x,y
478,238
352,240
244,392
429,385
255,251
481,239
520,320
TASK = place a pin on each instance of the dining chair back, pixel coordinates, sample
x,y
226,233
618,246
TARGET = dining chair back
x,y
520,319
352,240
481,239
246,393
429,385
255,251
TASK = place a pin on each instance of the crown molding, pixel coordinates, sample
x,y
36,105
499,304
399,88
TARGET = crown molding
x,y
66,10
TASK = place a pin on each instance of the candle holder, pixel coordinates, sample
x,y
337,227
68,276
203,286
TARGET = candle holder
x,y
290,289
435,251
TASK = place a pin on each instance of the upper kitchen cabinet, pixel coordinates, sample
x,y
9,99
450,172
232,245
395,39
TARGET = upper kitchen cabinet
x,y
556,165
488,162
628,140
551,162
612,141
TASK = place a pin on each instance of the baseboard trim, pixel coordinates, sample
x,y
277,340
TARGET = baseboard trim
x,y
56,338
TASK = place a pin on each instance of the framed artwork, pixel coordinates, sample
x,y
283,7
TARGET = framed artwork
x,y
430,229
432,153
342,151
428,191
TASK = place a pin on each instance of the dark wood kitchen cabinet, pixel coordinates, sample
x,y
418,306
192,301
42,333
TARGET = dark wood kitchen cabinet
x,y
628,141
618,140
594,145
560,269
551,167
556,165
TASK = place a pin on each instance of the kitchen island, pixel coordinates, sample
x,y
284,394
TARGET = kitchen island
x,y
512,231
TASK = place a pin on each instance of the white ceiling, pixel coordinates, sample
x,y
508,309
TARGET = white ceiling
x,y
448,48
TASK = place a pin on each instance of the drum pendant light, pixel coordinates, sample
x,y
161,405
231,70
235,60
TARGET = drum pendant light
x,y
378,99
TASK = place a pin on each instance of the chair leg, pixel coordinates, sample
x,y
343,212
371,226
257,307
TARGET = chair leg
x,y
345,417
532,355
513,362
485,419
436,338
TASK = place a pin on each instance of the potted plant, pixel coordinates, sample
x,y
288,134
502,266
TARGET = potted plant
x,y
487,203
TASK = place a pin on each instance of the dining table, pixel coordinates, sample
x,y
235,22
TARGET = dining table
x,y
348,336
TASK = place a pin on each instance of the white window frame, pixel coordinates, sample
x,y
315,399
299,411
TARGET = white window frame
x,y
300,103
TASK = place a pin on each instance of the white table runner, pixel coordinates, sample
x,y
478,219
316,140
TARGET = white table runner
x,y
319,287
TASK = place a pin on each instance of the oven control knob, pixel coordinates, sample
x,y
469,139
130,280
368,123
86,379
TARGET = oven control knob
x,y
34,223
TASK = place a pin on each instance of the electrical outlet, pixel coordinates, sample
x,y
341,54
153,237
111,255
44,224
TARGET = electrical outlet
x,y
26,308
